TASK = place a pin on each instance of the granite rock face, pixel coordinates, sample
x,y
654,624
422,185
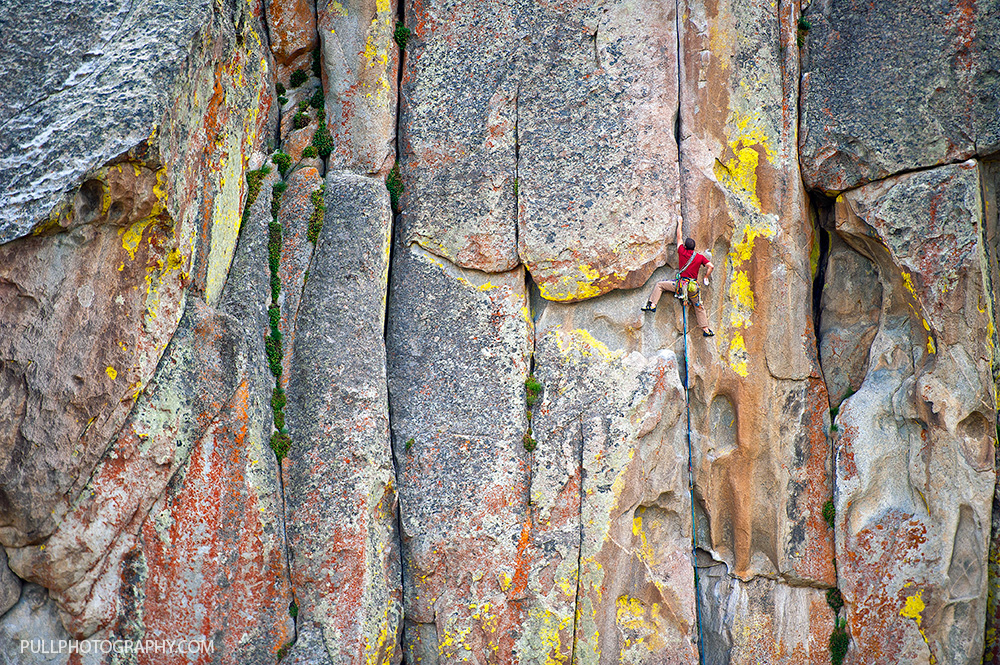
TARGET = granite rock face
x,y
597,157
481,450
291,27
458,115
90,97
612,577
915,452
891,88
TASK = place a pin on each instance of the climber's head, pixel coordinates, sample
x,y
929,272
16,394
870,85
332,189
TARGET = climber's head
x,y
689,243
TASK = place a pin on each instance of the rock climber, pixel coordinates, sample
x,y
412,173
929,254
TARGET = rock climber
x,y
686,283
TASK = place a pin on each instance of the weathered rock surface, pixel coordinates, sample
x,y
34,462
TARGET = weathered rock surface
x,y
340,489
546,149
84,317
597,181
458,156
463,471
34,617
296,253
890,88
360,60
86,83
849,313
762,621
194,418
915,455
291,27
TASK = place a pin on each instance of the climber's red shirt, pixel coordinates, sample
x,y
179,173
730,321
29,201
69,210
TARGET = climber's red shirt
x,y
683,254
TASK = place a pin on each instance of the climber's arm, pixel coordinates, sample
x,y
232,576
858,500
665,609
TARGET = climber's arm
x,y
680,230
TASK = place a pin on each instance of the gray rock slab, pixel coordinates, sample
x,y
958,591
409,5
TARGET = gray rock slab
x,y
458,135
459,348
598,181
340,485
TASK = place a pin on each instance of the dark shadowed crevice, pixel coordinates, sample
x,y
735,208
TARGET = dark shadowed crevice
x,y
394,241
820,211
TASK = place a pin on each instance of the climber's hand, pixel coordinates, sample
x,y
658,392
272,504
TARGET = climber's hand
x,y
706,281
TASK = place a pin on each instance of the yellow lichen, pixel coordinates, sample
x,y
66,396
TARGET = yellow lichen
x,y
111,372
742,299
738,356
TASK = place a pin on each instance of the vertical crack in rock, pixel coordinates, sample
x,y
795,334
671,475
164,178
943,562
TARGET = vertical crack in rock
x,y
579,550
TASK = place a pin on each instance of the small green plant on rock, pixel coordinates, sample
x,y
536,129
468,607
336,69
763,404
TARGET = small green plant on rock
x,y
280,444
322,139
409,444
829,512
317,62
529,442
309,152
317,101
298,78
316,218
839,640
283,162
401,35
278,401
293,609
279,87
300,120
532,389
834,599
282,100
394,183
254,181
804,25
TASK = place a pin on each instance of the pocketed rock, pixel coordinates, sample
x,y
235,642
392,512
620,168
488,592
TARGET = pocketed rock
x,y
458,442
914,456
851,305
597,179
759,405
79,339
340,490
98,95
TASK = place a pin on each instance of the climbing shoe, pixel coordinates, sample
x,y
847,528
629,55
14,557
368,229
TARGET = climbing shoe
x,y
650,307
708,334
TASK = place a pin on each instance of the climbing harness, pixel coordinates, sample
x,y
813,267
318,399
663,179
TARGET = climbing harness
x,y
694,524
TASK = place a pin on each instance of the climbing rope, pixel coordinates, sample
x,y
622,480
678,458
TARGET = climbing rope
x,y
694,527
